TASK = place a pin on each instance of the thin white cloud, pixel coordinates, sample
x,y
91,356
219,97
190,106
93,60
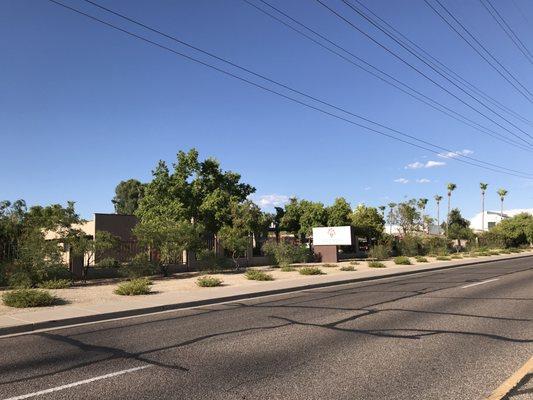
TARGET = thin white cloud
x,y
455,154
401,180
271,200
423,180
368,188
433,164
428,164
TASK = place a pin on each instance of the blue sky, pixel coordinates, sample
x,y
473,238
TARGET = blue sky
x,y
83,107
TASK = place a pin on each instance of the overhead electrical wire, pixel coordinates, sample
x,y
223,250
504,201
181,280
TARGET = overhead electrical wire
x,y
454,155
444,68
394,54
528,95
425,99
506,28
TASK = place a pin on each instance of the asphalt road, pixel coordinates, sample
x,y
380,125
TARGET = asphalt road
x,y
434,335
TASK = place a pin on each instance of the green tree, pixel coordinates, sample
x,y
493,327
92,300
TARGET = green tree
x,y
515,231
408,216
367,222
459,227
421,204
312,215
290,220
483,187
90,248
127,196
502,193
339,213
451,187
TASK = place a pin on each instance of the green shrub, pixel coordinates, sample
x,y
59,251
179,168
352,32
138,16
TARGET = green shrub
x,y
287,268
513,250
22,298
134,287
214,263
376,264
55,284
443,258
108,262
286,253
311,271
329,265
21,280
504,251
348,268
435,245
3,275
421,259
257,275
208,281
54,272
139,266
354,262
494,253
410,245
379,252
402,260
456,257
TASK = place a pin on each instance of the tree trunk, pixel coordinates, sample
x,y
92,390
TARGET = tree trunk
x,y
483,212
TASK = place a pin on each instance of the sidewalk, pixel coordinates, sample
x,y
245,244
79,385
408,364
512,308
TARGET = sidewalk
x,y
87,304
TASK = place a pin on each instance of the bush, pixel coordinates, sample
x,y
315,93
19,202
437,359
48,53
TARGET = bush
x,y
23,298
354,262
494,253
3,275
134,287
402,260
443,258
256,275
287,268
421,259
140,266
435,245
108,262
348,268
214,263
208,281
456,257
410,246
286,253
375,264
379,252
329,265
21,280
56,284
311,271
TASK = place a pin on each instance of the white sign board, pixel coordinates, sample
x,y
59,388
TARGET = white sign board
x,y
332,236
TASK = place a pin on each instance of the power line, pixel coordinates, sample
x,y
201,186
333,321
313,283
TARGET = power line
x,y
421,72
509,32
298,101
425,99
482,47
444,68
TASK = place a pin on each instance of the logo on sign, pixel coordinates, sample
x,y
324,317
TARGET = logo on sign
x,y
331,232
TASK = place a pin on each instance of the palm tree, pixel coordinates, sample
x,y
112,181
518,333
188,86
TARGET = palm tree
x,y
391,207
451,187
422,203
483,187
438,199
502,193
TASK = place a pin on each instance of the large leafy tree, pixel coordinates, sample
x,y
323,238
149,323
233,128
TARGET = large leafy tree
x,y
459,227
367,222
408,216
290,220
516,231
339,213
127,196
312,215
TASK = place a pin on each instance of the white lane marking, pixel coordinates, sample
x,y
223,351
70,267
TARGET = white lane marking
x,y
96,378
479,283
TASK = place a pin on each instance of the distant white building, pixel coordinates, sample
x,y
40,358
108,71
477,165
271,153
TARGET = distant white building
x,y
493,217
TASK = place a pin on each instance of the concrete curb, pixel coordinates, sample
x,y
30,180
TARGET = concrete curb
x,y
11,330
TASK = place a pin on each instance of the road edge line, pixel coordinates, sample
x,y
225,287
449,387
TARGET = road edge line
x,y
513,381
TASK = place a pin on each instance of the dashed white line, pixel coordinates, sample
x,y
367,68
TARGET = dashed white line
x,y
479,283
73,384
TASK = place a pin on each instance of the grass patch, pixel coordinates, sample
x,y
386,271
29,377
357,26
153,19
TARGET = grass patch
x,y
56,284
23,298
348,268
329,265
311,271
135,287
494,253
421,259
402,260
443,258
208,281
456,257
376,264
256,275
287,268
